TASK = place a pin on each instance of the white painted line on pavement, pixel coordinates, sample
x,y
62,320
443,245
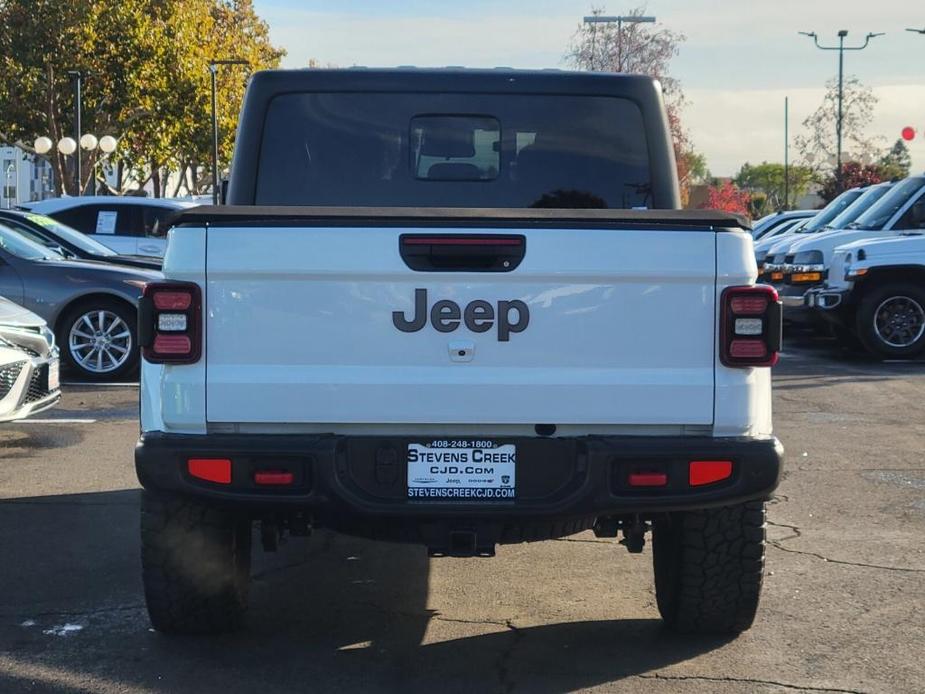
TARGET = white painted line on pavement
x,y
62,420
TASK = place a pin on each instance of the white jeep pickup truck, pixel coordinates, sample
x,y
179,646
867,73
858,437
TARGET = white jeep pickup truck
x,y
876,291
458,308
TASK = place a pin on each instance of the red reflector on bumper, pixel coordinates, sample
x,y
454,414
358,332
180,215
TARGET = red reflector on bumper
x,y
748,349
172,344
709,471
210,469
648,479
273,478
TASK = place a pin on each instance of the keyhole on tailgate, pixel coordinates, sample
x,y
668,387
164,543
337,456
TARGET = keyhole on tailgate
x,y
461,350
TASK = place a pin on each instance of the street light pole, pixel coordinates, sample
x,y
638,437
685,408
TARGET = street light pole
x,y
841,48
619,20
77,77
213,70
786,152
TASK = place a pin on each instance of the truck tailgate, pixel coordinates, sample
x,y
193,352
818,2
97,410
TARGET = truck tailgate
x,y
300,329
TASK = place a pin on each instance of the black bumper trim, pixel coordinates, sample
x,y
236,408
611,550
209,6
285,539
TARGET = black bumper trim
x,y
581,477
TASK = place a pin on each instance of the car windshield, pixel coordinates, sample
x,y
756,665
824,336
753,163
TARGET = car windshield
x,y
883,210
832,210
860,206
69,235
16,244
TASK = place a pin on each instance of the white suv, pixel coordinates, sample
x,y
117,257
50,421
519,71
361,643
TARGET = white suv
x,y
127,225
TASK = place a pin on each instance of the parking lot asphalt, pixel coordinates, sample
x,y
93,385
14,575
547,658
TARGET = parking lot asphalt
x,y
843,607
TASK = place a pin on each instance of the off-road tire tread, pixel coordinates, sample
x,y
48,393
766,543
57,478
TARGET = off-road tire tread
x,y
865,315
195,565
709,566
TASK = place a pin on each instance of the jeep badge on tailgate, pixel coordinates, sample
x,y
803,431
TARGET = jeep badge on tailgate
x,y
479,316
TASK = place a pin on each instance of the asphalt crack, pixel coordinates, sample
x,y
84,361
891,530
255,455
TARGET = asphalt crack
x,y
748,680
796,533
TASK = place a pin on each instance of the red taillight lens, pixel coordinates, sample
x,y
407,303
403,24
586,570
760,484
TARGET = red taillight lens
x,y
170,322
172,301
750,326
748,349
744,305
172,344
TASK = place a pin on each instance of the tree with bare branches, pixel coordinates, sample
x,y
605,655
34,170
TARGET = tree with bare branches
x,y
818,146
644,49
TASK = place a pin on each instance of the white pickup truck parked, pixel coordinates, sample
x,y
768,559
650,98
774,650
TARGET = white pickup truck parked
x,y
458,308
876,290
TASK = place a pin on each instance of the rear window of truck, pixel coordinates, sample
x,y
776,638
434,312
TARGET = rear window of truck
x,y
453,150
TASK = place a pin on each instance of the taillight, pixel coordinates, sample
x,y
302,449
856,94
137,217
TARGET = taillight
x,y
750,326
170,322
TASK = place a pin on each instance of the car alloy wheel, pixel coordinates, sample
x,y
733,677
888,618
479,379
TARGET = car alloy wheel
x,y
899,321
100,342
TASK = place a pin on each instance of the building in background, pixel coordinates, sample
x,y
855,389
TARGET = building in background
x,y
23,177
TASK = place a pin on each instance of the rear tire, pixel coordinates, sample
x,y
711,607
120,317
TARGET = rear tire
x,y
195,563
708,568
891,321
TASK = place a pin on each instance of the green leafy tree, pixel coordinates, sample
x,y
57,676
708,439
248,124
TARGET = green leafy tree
x,y
767,179
146,81
897,162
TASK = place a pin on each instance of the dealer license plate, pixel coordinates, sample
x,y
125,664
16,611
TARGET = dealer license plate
x,y
54,378
461,470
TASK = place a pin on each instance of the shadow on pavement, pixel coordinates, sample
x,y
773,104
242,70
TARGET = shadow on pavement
x,y
330,613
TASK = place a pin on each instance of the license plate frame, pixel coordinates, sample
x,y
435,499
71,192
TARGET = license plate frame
x,y
461,470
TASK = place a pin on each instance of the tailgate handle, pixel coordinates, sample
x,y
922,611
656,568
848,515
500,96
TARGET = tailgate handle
x,y
462,253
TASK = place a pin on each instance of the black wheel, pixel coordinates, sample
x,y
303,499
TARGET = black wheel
x,y
708,568
195,563
98,339
891,320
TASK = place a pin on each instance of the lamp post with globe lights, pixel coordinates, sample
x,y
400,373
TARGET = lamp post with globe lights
x,y
839,116
106,144
68,147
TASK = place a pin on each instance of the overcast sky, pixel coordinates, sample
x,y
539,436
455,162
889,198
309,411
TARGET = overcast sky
x,y
738,63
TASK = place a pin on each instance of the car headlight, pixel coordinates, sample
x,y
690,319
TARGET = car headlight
x,y
808,258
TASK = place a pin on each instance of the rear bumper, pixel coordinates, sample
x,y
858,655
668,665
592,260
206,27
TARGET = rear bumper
x,y
339,479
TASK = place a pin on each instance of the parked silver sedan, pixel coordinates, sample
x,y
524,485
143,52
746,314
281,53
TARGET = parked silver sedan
x,y
29,376
91,306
